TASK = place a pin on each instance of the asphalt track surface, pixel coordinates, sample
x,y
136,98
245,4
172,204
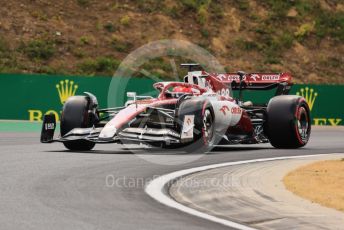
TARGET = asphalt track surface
x,y
46,187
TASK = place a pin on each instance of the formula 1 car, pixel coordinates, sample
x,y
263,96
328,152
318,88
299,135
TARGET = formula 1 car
x,y
195,114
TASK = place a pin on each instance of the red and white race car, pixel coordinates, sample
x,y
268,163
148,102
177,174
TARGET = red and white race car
x,y
195,115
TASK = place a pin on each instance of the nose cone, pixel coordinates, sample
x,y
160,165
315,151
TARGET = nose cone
x,y
108,132
122,118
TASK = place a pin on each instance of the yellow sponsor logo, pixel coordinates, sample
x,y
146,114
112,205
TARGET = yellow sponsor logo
x,y
37,115
65,89
310,95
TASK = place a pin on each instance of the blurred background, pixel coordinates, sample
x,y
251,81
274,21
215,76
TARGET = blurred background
x,y
91,37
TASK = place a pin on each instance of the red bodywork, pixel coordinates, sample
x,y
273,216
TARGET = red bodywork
x,y
215,83
219,82
254,78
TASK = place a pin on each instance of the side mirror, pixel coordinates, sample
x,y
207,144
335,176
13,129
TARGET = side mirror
x,y
131,95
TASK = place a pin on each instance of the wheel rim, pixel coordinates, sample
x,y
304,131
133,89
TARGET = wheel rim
x,y
207,126
303,124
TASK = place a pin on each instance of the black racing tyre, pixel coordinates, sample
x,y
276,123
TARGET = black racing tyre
x,y
204,124
288,122
75,115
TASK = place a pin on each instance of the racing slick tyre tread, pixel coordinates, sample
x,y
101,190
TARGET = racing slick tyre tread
x,y
200,109
288,122
75,115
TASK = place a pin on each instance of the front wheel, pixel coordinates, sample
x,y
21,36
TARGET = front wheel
x,y
75,115
288,122
204,124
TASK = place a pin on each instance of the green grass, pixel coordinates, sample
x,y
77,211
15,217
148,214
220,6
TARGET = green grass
x,y
304,7
78,52
159,67
216,10
330,24
200,6
311,18
8,60
278,8
47,70
190,4
304,30
270,42
125,20
39,49
84,40
242,4
172,11
269,37
202,15
7,126
247,45
204,33
285,40
150,6
84,3
332,62
110,27
3,45
121,46
101,65
162,68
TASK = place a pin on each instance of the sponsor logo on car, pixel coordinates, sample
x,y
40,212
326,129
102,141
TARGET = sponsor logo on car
x,y
49,126
254,77
274,77
224,109
236,110
223,92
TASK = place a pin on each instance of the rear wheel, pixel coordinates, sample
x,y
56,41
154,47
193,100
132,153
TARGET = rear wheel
x,y
288,122
75,115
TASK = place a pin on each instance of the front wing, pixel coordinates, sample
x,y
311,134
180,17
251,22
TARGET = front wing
x,y
139,134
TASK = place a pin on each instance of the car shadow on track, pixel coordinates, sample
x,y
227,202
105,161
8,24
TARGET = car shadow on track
x,y
159,151
231,148
115,152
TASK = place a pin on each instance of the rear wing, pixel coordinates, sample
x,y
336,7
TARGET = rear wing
x,y
257,81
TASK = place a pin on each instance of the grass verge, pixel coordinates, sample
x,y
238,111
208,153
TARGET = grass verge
x,y
320,182
7,126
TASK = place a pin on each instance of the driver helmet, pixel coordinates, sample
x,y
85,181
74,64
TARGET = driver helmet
x,y
179,91
182,89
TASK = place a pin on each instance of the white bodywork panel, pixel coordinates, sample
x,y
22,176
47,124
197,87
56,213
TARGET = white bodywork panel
x,y
108,131
226,113
115,123
192,76
188,125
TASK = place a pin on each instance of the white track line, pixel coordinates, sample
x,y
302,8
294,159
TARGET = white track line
x,y
156,188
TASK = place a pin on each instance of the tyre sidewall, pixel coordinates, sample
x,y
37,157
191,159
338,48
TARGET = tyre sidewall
x,y
197,108
281,125
75,115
